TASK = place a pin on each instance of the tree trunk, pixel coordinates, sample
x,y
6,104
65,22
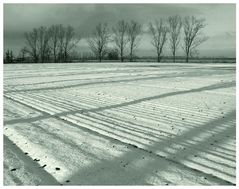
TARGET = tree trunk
x,y
158,53
187,57
65,56
35,59
131,54
54,54
174,56
158,57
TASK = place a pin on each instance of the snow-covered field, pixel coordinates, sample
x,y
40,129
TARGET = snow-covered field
x,y
119,124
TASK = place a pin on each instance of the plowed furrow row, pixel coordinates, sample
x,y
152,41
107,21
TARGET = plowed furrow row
x,y
124,135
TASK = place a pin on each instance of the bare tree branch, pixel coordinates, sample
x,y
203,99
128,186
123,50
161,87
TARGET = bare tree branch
x,y
134,31
54,40
70,42
120,38
158,32
175,25
192,34
31,44
99,40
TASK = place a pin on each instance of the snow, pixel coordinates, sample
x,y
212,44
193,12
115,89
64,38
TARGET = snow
x,y
119,124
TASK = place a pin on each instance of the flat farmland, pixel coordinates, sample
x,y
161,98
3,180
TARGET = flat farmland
x,y
119,124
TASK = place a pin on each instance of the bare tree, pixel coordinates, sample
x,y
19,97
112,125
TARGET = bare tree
x,y
37,44
22,54
193,36
159,31
43,43
54,40
134,31
9,57
120,37
99,40
31,44
61,36
175,25
70,41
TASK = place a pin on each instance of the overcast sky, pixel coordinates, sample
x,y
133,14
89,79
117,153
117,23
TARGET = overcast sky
x,y
220,19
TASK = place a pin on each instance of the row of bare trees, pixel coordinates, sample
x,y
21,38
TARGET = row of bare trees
x,y
57,41
123,34
160,31
171,29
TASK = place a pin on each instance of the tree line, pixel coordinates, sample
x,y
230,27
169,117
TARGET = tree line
x,y
56,43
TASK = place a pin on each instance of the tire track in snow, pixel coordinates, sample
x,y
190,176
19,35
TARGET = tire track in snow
x,y
28,172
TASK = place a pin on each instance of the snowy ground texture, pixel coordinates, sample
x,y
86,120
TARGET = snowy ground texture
x,y
119,124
